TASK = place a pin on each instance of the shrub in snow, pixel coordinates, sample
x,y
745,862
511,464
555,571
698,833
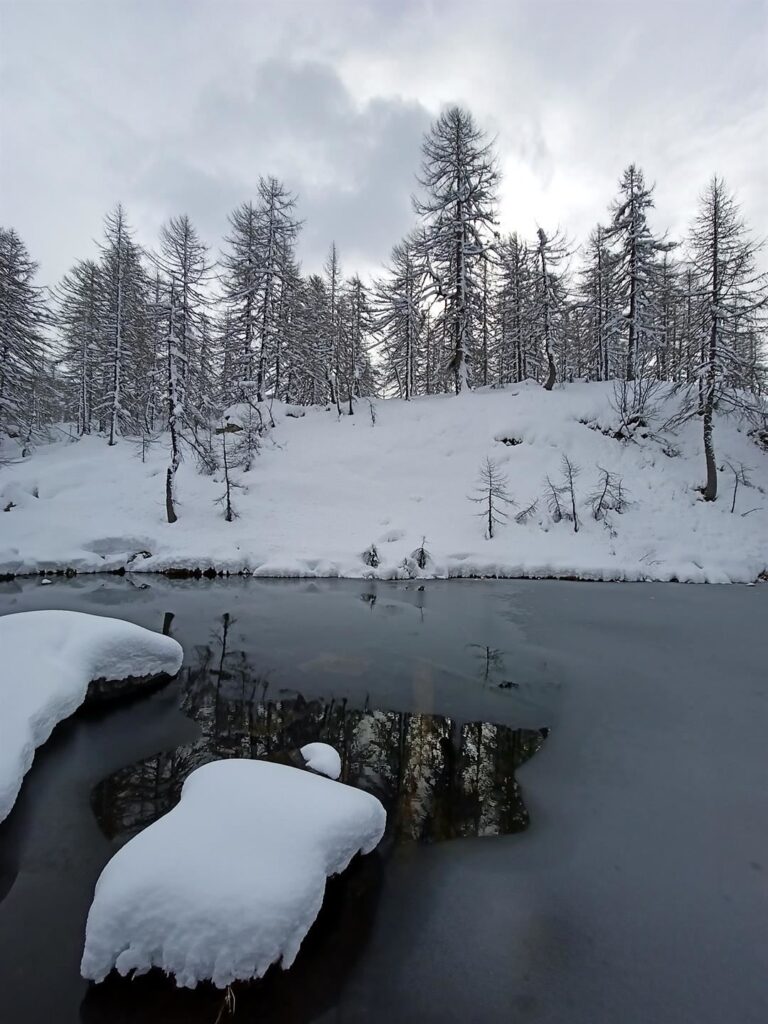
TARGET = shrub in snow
x,y
371,556
525,514
231,880
608,495
421,555
48,660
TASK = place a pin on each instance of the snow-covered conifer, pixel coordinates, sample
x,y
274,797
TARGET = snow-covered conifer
x,y
24,318
457,206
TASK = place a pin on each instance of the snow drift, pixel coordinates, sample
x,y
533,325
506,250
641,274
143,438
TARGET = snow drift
x,y
396,477
231,880
47,659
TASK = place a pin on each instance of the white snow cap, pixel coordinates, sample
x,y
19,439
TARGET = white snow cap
x,y
231,880
323,758
47,659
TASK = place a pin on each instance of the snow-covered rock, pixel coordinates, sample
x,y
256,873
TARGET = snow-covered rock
x,y
47,660
229,881
326,488
322,758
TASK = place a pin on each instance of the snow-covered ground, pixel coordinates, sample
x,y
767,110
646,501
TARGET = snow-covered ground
x,y
47,659
325,488
231,880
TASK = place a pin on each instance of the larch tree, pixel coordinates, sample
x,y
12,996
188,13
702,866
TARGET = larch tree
x,y
277,230
548,300
79,318
241,266
514,308
174,402
183,259
457,206
356,322
124,323
734,294
400,318
635,249
333,282
24,318
597,294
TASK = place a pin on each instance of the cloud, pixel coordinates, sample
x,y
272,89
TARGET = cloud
x,y
180,106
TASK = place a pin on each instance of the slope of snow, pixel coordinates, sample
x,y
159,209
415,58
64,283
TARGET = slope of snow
x,y
47,659
325,488
231,880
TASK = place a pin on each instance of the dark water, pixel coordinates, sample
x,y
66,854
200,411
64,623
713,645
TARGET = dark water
x,y
636,892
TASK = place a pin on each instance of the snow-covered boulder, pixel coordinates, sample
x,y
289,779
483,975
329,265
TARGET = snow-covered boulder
x,y
47,660
231,880
322,758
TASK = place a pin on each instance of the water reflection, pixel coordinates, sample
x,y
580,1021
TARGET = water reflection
x,y
439,778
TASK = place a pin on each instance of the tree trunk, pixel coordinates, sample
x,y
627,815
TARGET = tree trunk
x,y
169,509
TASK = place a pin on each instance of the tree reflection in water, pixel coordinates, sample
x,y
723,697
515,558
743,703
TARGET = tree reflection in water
x,y
437,777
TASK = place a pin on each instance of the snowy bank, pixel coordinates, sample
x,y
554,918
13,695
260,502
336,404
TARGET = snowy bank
x,y
47,660
231,880
325,490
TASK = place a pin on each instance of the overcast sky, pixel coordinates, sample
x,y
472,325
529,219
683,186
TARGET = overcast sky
x,y
178,106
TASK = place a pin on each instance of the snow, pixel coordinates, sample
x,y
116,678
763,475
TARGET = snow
x,y
323,758
324,488
231,880
48,659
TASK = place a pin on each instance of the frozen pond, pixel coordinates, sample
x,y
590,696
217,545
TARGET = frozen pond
x,y
638,893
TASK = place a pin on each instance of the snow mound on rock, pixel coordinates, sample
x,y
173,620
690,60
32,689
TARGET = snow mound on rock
x,y
47,659
323,758
231,880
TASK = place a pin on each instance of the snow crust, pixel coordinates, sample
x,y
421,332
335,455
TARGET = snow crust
x,y
325,488
231,880
323,758
47,659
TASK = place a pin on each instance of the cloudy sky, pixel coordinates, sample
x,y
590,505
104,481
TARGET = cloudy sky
x,y
179,105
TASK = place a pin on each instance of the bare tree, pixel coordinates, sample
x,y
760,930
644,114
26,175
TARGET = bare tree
x,y
570,472
723,257
459,181
175,408
223,431
492,494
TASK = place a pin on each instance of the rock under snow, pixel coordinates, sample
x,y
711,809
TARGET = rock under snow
x,y
231,880
323,758
47,660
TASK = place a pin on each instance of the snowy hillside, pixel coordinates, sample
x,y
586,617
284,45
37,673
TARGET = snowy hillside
x,y
325,488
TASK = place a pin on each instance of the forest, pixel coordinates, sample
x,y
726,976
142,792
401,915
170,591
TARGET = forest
x,y
164,342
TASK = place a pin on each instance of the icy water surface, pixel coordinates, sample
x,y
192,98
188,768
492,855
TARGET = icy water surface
x,y
637,893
